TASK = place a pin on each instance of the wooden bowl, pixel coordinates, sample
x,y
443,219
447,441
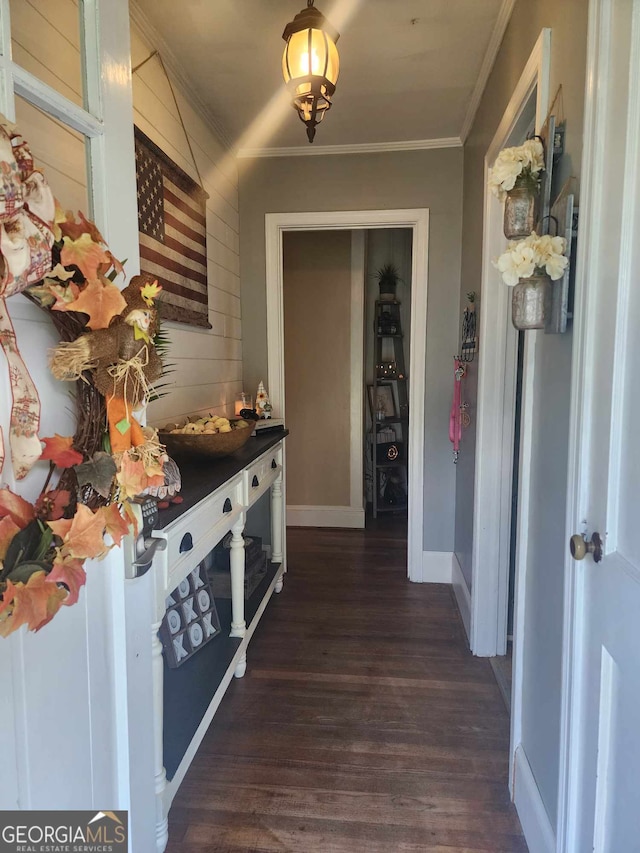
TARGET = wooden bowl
x,y
213,446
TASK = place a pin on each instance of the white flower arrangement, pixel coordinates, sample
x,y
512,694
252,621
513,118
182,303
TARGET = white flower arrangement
x,y
533,256
518,166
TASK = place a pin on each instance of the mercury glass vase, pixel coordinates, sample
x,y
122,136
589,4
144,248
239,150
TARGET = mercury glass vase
x,y
530,302
520,213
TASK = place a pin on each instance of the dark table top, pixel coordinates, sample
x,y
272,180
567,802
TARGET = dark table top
x,y
201,476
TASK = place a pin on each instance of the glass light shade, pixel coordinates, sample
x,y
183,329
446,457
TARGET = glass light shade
x,y
310,53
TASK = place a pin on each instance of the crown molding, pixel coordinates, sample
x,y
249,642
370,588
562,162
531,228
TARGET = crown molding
x,y
361,148
499,28
179,76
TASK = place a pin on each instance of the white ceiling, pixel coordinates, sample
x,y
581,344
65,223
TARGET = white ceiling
x,y
408,68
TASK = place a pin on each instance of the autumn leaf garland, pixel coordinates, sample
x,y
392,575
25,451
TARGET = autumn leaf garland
x,y
82,280
44,545
42,553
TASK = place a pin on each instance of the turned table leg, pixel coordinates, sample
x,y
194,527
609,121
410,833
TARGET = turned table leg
x,y
237,558
160,775
277,520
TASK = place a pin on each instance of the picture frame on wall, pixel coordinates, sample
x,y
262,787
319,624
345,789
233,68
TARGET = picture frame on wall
x,y
381,398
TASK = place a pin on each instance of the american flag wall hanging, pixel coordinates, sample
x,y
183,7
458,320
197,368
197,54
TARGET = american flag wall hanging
x,y
173,234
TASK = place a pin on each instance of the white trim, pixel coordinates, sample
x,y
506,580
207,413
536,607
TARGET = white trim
x,y
599,92
356,148
627,281
496,383
109,94
356,420
187,87
535,76
605,779
462,594
497,34
437,567
522,548
325,516
418,220
534,819
7,101
52,102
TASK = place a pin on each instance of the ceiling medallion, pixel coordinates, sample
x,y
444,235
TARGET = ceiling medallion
x,y
310,65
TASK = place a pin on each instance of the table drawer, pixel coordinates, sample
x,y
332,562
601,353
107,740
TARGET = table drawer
x,y
261,474
194,535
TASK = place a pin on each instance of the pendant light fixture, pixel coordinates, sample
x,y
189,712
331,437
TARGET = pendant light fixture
x,y
310,65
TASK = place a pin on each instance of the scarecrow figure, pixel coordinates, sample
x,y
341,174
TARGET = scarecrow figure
x,y
122,360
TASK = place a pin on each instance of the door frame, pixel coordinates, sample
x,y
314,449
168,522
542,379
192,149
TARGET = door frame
x,y
497,371
106,121
418,221
497,377
602,104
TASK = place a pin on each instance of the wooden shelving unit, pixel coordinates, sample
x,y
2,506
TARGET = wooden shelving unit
x,y
389,457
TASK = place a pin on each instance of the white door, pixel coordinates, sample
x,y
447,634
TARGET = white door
x,y
600,782
65,77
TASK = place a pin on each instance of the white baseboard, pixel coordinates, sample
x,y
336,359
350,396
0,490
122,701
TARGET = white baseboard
x,y
463,596
534,820
325,516
436,566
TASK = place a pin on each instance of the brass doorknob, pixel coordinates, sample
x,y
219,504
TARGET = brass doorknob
x,y
580,547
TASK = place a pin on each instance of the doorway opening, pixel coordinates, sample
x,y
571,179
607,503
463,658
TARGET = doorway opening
x,y
347,352
358,222
387,369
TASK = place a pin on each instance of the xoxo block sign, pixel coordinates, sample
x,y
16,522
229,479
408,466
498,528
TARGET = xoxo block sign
x,y
191,619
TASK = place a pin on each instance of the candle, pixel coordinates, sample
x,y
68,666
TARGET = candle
x,y
243,401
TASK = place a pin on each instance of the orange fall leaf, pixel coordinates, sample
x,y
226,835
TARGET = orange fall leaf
x,y
100,300
69,571
59,450
116,525
8,529
32,604
16,508
83,253
132,477
82,535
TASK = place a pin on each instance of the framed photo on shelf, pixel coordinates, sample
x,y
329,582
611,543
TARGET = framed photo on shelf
x,y
381,400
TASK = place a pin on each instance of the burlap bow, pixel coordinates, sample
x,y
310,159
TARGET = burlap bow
x,y
27,211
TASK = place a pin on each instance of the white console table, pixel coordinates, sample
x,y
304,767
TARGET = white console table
x,y
217,496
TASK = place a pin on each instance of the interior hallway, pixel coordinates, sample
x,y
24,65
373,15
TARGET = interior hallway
x,y
363,722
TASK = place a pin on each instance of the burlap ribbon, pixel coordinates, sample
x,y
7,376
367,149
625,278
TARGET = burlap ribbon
x,y
27,210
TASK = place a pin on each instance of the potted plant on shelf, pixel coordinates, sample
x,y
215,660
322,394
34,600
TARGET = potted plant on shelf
x,y
388,279
529,266
515,179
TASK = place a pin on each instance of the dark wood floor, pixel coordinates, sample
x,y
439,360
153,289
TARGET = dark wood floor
x,y
363,723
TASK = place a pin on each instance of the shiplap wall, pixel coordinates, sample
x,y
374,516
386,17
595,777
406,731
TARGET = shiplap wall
x,y
208,363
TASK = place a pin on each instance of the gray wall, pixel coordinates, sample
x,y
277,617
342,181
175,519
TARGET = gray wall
x,y
388,180
317,334
544,589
